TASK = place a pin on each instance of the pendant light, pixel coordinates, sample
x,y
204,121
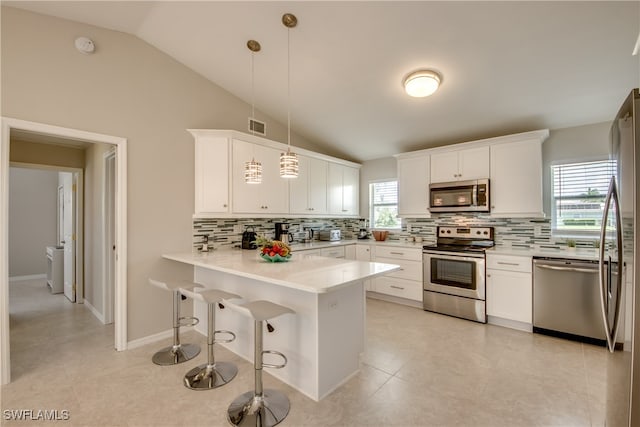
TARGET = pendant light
x,y
253,169
289,160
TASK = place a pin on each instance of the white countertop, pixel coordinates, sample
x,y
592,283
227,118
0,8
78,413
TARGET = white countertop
x,y
318,244
590,254
310,273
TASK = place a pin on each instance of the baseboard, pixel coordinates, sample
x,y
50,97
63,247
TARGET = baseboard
x,y
513,324
28,277
150,339
394,299
94,310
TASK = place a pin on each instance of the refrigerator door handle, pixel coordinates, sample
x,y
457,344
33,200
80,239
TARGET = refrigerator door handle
x,y
611,329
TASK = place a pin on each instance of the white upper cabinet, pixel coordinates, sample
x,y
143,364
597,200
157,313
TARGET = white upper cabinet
x,y
516,179
343,189
211,174
221,190
308,192
413,187
460,165
269,197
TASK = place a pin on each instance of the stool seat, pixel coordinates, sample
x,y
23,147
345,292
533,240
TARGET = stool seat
x,y
175,285
262,310
209,296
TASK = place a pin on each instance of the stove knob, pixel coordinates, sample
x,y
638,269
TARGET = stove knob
x,y
448,231
486,232
478,232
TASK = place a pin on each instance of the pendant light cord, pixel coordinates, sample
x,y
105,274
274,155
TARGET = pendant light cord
x,y
253,108
288,90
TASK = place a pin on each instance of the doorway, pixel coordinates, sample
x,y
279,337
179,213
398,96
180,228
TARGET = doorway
x,y
119,226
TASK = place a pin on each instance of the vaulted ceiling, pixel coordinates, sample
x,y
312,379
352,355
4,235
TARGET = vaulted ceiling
x,y
507,67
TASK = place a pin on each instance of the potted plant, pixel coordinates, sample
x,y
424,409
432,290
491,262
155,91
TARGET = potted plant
x,y
571,244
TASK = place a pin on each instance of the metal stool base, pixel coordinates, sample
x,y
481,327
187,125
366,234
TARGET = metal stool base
x,y
249,410
206,377
169,356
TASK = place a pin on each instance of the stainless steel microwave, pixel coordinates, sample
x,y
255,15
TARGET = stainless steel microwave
x,y
459,196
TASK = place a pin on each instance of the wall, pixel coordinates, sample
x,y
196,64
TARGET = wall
x,y
33,210
129,89
45,154
94,219
581,143
374,170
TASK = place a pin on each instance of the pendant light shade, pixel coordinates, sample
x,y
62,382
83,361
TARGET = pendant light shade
x,y
289,160
253,169
253,172
288,165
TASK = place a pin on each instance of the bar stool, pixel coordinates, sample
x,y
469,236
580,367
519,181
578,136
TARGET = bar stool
x,y
211,374
177,353
261,408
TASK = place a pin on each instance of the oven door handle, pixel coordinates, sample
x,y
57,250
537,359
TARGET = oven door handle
x,y
439,255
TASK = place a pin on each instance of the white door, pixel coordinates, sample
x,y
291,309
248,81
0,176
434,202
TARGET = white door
x,y
69,220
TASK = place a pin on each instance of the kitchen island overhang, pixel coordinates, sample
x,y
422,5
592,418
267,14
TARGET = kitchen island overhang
x,y
325,337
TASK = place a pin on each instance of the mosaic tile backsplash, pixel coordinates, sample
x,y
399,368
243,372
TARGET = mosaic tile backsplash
x,y
515,232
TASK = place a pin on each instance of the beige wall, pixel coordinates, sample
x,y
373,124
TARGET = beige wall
x,y
45,154
94,219
127,89
33,197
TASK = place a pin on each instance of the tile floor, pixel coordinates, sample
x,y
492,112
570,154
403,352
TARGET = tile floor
x,y
420,369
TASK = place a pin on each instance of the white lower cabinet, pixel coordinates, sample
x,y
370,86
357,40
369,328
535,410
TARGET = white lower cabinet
x,y
509,291
364,253
405,282
338,252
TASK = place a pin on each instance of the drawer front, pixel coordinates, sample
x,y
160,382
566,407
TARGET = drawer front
x,y
333,252
398,287
509,263
399,253
410,270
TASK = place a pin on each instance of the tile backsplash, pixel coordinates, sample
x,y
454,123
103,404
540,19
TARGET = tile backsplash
x,y
516,232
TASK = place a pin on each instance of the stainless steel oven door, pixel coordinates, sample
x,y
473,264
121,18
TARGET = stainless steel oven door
x,y
460,275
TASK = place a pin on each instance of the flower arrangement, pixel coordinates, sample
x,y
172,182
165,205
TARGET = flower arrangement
x,y
273,250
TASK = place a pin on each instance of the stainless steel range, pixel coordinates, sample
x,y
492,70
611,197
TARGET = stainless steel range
x,y
454,272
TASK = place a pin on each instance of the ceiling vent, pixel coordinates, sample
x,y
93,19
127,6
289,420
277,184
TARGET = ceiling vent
x,y
256,126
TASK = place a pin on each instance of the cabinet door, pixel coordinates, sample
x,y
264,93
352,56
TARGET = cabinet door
x,y
516,179
211,175
509,295
317,186
299,188
473,163
350,190
444,167
270,196
363,252
343,189
413,186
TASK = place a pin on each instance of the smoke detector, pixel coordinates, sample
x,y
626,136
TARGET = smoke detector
x,y
85,45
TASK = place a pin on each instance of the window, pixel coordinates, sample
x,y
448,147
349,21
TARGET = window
x,y
383,204
579,191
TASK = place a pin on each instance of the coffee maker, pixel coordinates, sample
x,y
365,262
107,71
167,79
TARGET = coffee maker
x,y
282,232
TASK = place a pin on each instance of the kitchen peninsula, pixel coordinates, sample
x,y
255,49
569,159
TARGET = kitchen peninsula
x,y
323,340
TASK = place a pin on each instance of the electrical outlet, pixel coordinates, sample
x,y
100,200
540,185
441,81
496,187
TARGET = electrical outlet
x,y
409,228
237,228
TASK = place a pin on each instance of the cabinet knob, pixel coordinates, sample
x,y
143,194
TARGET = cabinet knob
x,y
488,275
224,206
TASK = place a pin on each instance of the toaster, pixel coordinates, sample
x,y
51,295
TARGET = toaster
x,y
329,235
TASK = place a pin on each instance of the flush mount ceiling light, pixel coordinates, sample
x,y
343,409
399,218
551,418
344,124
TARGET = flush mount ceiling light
x,y
289,160
421,83
253,169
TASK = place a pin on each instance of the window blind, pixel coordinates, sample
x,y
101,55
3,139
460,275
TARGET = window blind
x,y
579,192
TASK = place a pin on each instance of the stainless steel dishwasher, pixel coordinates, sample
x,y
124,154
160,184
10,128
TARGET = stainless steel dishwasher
x,y
566,299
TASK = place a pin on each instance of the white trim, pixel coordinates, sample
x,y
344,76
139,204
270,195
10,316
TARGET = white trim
x,y
508,323
27,277
121,228
150,339
94,311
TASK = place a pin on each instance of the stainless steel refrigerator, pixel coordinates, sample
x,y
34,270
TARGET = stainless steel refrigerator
x,y
618,260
